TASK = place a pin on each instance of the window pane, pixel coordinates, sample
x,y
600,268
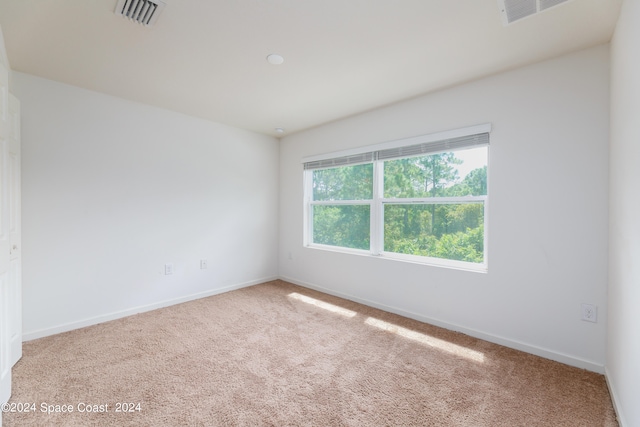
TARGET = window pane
x,y
459,173
342,225
450,231
343,183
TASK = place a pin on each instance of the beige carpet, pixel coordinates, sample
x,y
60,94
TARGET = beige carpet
x,y
279,355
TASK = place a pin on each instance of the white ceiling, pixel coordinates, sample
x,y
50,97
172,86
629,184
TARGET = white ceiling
x,y
206,58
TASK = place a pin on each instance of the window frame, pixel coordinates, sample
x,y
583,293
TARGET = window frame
x,y
378,202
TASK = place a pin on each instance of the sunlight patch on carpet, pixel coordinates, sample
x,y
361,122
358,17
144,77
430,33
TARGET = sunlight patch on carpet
x,y
451,348
321,304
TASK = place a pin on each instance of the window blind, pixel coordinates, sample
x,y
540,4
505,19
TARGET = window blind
x,y
341,161
439,146
435,146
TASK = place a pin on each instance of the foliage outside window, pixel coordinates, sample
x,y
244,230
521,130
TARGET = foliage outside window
x,y
344,217
425,202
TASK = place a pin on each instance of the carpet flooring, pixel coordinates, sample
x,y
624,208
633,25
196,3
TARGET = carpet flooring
x,y
277,354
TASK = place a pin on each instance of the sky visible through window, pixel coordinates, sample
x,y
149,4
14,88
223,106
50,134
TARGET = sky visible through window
x,y
472,159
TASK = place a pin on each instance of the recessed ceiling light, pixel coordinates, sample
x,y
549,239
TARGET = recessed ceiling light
x,y
279,130
275,59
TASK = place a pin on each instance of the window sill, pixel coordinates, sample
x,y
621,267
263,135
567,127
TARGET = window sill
x,y
413,259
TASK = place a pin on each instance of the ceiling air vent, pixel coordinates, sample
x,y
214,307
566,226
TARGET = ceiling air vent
x,y
513,10
144,12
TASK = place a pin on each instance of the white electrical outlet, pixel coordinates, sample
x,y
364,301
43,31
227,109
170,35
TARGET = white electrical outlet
x,y
168,269
203,264
590,313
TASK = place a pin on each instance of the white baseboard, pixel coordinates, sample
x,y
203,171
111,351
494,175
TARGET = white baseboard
x,y
28,336
517,345
614,398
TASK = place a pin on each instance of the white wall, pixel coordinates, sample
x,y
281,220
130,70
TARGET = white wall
x,y
623,346
3,53
113,190
548,218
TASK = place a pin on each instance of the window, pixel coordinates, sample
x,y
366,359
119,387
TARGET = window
x,y
423,199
